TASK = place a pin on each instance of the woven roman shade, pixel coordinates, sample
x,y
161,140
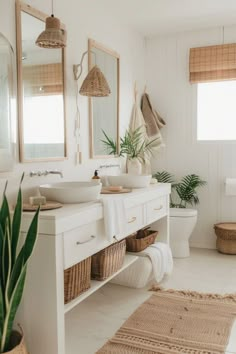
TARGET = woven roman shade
x,y
212,63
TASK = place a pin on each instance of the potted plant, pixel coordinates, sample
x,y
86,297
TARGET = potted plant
x,y
184,191
134,146
13,271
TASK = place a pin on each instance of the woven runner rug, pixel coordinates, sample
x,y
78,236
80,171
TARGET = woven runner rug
x,y
171,322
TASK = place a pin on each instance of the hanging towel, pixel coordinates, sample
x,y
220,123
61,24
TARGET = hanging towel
x,y
114,216
137,121
161,258
154,122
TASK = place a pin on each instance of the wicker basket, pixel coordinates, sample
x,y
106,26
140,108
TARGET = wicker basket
x,y
17,343
77,279
226,237
134,244
108,261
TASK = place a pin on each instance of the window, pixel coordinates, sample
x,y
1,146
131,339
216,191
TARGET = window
x,y
216,110
43,121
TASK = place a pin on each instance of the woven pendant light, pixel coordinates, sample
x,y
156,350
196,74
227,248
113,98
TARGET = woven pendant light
x,y
95,84
53,36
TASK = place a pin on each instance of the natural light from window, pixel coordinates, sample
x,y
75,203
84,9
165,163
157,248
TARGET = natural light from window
x,y
43,120
216,111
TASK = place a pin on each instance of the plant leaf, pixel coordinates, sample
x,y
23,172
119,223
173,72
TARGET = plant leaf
x,y
25,252
110,144
16,224
16,271
186,189
2,312
164,177
11,311
5,214
31,236
8,264
4,262
1,251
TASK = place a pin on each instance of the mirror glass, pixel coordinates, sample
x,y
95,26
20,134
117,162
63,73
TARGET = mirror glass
x,y
104,111
40,91
6,104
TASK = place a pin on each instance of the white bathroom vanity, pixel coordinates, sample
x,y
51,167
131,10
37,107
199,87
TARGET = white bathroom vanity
x,y
67,236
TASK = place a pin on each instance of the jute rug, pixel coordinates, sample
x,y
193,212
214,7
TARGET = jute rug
x,y
171,322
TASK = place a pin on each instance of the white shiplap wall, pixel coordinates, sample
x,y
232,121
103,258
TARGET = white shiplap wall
x,y
176,100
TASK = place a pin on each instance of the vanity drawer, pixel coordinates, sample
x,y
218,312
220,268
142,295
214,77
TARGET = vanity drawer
x,y
83,241
134,217
156,209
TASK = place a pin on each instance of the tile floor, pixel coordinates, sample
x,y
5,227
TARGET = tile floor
x,y
91,323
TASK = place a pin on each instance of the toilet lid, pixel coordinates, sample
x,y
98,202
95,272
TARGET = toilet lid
x,y
182,212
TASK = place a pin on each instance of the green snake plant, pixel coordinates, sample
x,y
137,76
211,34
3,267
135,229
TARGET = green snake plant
x,y
13,267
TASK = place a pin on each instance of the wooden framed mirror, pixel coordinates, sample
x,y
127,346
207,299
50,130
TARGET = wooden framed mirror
x,y
104,111
41,90
6,105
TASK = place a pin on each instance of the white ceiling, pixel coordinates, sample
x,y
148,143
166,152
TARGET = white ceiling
x,y
153,17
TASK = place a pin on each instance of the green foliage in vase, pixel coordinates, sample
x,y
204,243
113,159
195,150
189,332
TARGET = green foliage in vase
x,y
133,145
110,144
185,190
164,177
13,264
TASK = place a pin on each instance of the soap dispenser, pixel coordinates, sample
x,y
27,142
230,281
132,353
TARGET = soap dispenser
x,y
95,176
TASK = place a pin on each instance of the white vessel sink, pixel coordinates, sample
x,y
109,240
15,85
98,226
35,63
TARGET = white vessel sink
x,y
130,181
71,192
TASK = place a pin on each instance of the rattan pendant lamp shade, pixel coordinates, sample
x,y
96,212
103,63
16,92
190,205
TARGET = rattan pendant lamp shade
x,y
53,36
95,84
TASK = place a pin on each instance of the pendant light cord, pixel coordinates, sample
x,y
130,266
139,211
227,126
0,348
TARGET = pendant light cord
x,y
52,8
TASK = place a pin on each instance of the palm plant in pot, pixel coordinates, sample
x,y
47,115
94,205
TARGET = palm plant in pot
x,y
184,191
14,260
134,146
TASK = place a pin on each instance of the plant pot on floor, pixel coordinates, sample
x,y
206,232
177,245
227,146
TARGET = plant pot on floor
x,y
17,344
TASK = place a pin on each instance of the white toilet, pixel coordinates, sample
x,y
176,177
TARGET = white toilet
x,y
182,223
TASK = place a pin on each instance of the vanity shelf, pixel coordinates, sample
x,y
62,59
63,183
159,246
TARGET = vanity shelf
x,y
95,284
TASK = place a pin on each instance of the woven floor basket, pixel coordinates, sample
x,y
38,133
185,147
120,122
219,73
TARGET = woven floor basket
x,y
18,344
108,261
137,245
77,279
226,237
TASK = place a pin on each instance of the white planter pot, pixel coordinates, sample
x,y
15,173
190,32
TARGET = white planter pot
x,y
146,168
134,167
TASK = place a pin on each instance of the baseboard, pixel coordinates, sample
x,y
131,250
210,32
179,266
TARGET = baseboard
x,y
207,245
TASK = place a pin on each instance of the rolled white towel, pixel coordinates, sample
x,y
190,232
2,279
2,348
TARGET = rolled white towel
x,y
166,254
161,258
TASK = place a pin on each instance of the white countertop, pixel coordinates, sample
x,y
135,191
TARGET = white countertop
x,y
53,222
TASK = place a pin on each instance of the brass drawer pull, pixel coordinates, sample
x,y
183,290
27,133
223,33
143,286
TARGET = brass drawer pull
x,y
92,237
132,220
158,208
